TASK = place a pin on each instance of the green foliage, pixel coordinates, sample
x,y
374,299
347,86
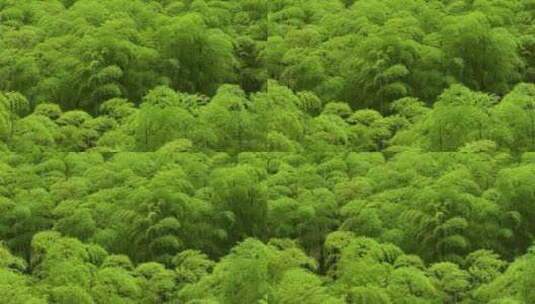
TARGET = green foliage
x,y
267,151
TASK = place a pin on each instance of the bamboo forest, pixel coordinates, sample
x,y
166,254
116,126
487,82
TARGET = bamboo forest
x,y
267,151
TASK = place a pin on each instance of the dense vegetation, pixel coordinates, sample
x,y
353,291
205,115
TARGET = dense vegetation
x,y
267,151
